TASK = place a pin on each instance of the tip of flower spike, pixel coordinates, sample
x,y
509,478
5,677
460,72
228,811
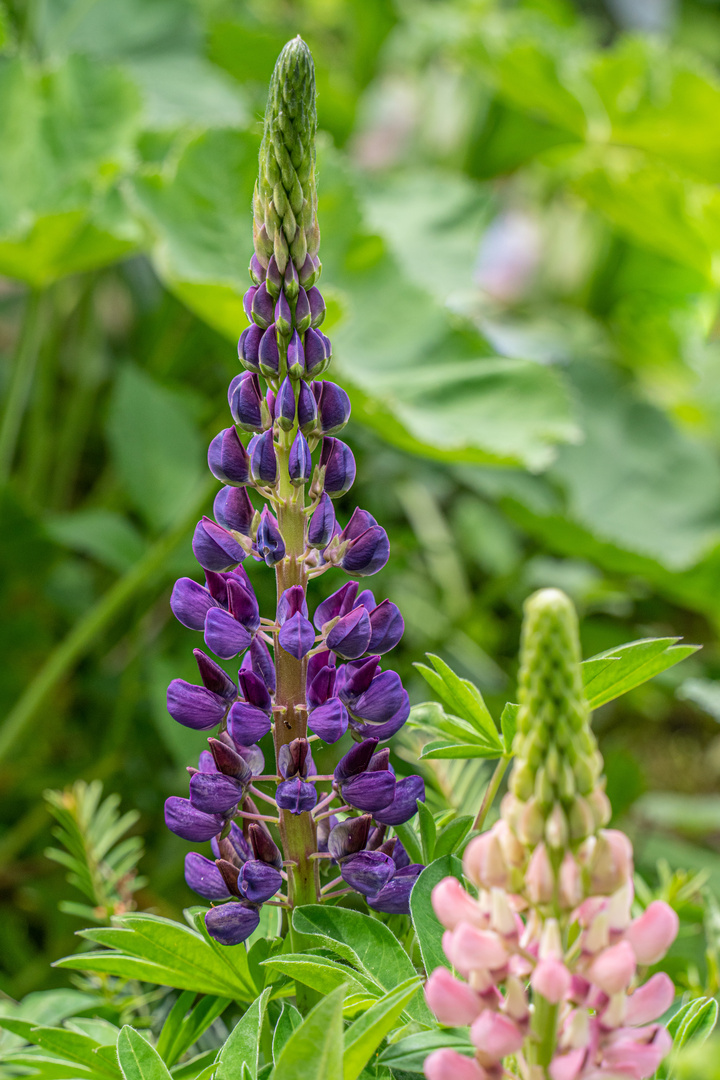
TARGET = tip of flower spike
x,y
293,82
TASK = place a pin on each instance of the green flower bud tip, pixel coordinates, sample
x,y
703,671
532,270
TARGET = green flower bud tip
x,y
285,201
557,759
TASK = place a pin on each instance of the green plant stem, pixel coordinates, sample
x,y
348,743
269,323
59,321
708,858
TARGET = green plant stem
x,y
491,791
544,1031
24,361
86,631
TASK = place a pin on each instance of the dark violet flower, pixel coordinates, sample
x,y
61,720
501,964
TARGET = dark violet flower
x,y
195,706
224,635
404,803
355,761
394,898
296,356
306,408
324,828
349,837
338,603
270,544
317,306
228,460
258,881
204,878
247,301
363,553
283,315
214,547
184,820
214,677
296,634
308,271
285,405
248,347
329,720
368,871
190,603
245,401
322,523
333,407
303,314
369,791
350,636
247,724
262,306
273,277
300,461
228,759
264,847
263,459
269,354
254,691
232,923
243,605
291,279
262,663
258,273
296,795
387,627
234,510
214,793
316,356
233,847
339,465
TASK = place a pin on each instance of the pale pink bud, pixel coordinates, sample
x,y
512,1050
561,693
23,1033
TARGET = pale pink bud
x,y
611,863
650,1001
636,1058
550,941
619,905
597,936
452,1001
551,979
503,919
612,969
453,905
652,934
570,882
575,1033
516,1003
531,823
567,1066
449,1065
512,849
613,1015
484,862
539,880
496,1035
579,989
472,948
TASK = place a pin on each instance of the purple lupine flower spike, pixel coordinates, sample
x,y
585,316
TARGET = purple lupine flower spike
x,y
322,523
245,401
339,464
300,460
234,510
270,544
248,348
228,459
285,405
214,547
306,408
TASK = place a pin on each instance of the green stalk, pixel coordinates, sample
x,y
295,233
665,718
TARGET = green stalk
x,y
86,631
26,354
544,1031
491,791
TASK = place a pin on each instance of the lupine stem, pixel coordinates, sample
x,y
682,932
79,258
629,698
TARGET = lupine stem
x,y
21,379
491,791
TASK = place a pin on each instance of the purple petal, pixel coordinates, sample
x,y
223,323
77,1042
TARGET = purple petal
x,y
296,356
270,544
195,706
300,460
306,408
339,467
322,523
247,724
355,678
355,761
394,898
258,881
369,791
254,691
262,663
339,603
368,554
297,636
387,627
296,795
349,836
214,548
368,871
232,923
329,721
227,458
291,602
385,730
404,804
214,793
333,409
350,636
213,676
285,404
204,878
191,824
263,459
234,847
224,635
243,605
262,306
381,700
233,509
248,347
190,603
321,687
269,353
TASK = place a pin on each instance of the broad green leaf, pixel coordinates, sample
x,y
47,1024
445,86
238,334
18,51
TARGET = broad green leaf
x,y
461,697
631,665
440,749
694,1022
156,447
241,1052
314,1051
451,837
138,1059
196,1066
508,723
427,925
103,534
71,1045
409,1053
408,838
180,90
322,974
366,1033
100,1031
288,1021
365,943
184,1024
449,728
428,831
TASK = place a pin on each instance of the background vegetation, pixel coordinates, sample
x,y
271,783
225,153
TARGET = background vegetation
x,y
521,250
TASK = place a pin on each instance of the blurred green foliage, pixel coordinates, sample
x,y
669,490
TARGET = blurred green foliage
x,y
521,250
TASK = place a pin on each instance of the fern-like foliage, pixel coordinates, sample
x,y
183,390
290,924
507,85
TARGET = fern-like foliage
x,y
100,858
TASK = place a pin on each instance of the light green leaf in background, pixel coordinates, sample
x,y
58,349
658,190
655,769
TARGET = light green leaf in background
x,y
427,925
138,1059
241,1052
103,534
156,447
629,666
314,1051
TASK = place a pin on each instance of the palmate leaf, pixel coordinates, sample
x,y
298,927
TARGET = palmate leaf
x,y
462,698
314,1051
65,1044
613,673
157,950
408,1054
366,1033
184,1024
427,925
322,974
139,1060
240,1054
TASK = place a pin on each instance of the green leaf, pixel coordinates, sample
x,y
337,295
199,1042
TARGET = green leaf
x,y
461,697
694,1022
195,1067
365,943
103,534
451,837
428,831
630,665
184,1024
408,838
427,925
241,1052
71,1045
138,1059
322,974
288,1021
364,1036
508,723
156,447
440,750
409,1053
314,1051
